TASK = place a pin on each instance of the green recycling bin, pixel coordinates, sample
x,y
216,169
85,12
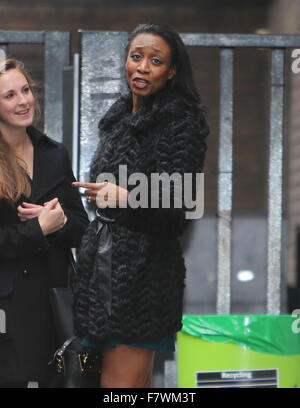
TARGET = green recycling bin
x,y
229,351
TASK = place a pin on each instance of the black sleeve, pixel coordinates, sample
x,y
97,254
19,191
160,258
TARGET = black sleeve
x,y
22,239
77,219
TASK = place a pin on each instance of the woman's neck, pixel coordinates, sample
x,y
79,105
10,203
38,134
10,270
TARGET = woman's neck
x,y
137,102
15,138
21,146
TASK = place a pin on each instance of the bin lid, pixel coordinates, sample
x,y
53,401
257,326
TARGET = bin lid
x,y
272,334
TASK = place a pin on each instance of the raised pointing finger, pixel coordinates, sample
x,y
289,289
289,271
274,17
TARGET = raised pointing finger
x,y
89,185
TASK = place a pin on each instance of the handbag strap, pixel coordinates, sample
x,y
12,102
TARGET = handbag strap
x,y
60,352
72,263
72,271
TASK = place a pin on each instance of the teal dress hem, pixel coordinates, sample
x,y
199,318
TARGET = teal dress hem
x,y
165,344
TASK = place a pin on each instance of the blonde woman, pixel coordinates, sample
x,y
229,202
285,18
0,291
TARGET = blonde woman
x,y
41,218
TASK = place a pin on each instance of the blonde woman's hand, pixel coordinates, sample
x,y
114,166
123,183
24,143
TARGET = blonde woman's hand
x,y
52,218
26,211
104,194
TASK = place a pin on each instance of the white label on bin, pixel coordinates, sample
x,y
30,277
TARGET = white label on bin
x,y
237,379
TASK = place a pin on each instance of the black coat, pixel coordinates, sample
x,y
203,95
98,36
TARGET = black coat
x,y
148,269
30,264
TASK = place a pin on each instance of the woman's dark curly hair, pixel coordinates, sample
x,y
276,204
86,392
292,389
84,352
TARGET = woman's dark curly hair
x,y
183,81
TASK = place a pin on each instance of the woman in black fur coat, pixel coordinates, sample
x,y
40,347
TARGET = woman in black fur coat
x,y
129,291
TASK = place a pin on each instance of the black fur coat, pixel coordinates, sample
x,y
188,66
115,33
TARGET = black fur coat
x,y
148,269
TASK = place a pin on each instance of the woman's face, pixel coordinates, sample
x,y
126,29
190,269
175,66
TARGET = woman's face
x,y
148,66
16,100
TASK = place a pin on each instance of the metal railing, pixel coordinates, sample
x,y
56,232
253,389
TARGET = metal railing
x,y
227,44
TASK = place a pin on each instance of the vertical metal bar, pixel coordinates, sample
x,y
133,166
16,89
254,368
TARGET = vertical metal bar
x,y
101,83
275,182
75,138
57,55
225,181
3,52
170,374
2,321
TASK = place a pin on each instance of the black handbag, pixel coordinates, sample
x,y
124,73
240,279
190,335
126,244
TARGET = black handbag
x,y
72,365
75,367
61,304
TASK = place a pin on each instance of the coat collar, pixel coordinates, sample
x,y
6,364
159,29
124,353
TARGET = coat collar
x,y
170,106
48,169
38,137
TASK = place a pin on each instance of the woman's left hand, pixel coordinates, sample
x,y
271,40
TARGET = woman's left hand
x,y
26,211
104,194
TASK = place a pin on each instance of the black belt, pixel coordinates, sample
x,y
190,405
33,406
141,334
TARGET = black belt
x,y
102,265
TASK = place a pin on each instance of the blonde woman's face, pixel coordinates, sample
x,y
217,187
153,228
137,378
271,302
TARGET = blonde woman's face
x,y
16,101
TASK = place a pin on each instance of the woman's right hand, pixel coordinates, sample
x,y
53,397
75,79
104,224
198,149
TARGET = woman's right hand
x,y
104,194
52,217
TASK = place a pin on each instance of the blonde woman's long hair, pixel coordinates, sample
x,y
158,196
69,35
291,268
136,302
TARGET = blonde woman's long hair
x,y
13,179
